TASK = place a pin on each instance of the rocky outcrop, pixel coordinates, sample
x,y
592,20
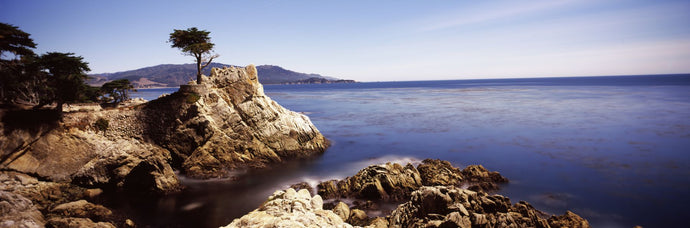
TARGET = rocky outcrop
x,y
78,152
394,182
18,211
391,181
441,206
433,195
290,208
443,203
229,123
203,130
30,202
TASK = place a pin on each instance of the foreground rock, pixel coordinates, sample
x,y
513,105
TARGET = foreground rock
x,y
290,209
441,206
18,211
432,195
28,202
394,182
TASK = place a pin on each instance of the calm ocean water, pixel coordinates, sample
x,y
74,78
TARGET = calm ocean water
x,y
615,150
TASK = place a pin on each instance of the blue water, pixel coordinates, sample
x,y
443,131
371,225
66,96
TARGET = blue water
x,y
152,94
615,150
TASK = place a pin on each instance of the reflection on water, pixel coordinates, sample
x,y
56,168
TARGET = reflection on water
x,y
618,155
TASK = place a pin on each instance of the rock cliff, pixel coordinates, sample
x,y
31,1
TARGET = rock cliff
x,y
202,130
228,123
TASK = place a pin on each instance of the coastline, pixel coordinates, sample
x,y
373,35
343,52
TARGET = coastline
x,y
469,153
433,194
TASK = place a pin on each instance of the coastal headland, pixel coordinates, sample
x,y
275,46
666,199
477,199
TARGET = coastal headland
x,y
52,169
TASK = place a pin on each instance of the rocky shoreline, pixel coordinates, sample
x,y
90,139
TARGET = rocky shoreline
x,y
433,194
53,171
203,131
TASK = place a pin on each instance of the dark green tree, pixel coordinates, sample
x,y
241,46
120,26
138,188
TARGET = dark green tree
x,y
196,43
67,75
19,75
118,90
15,41
90,94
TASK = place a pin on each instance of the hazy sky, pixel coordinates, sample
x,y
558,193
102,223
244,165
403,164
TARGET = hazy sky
x,y
375,40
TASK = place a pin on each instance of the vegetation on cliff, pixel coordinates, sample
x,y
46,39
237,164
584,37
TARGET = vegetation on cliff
x,y
54,77
196,43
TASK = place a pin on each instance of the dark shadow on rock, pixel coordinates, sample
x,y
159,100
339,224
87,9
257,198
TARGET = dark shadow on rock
x,y
141,180
160,121
34,121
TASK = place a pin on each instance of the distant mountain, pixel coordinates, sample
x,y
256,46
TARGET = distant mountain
x,y
173,75
316,80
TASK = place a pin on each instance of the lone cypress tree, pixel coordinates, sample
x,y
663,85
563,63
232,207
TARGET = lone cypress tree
x,y
197,43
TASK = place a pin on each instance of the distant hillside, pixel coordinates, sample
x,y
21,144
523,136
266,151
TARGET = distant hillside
x,y
173,75
316,80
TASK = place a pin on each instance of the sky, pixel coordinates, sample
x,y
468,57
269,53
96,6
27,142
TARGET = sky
x,y
375,40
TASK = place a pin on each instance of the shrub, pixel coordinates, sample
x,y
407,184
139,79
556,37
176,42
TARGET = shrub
x,y
193,98
101,124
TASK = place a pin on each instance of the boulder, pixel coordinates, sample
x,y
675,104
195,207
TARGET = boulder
x,y
481,179
394,182
57,204
77,222
449,206
43,194
477,173
18,211
378,222
390,181
290,208
358,218
302,185
569,219
82,209
437,172
342,210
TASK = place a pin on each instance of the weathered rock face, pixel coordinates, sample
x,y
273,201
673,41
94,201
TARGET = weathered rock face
x,y
77,151
394,182
442,206
227,123
290,209
437,172
203,130
435,199
30,202
391,181
18,211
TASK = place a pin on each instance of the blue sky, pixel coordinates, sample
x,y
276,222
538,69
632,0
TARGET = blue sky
x,y
375,40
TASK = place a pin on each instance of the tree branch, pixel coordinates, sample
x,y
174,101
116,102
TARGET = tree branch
x,y
209,61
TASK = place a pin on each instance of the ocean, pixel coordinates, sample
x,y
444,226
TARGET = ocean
x,y
615,149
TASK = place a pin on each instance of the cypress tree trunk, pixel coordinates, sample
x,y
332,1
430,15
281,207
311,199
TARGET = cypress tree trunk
x,y
198,70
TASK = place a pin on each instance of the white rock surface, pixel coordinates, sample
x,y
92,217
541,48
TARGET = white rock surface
x,y
289,208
